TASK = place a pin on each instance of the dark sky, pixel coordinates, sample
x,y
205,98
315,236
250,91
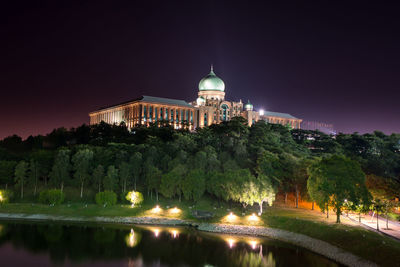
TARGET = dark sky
x,y
324,60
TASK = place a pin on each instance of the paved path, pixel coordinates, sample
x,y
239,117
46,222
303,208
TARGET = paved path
x,y
368,220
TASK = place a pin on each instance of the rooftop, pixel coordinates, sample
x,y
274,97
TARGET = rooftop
x,y
152,99
279,115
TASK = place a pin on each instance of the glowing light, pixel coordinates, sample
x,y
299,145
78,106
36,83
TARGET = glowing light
x,y
174,233
231,242
231,217
156,232
132,239
253,244
4,196
253,218
261,112
156,209
175,210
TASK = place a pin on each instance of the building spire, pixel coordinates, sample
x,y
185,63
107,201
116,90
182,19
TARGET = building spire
x,y
212,68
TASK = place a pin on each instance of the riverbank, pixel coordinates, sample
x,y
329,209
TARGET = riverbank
x,y
312,244
347,236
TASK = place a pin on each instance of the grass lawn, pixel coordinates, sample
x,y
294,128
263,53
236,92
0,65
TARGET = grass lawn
x,y
364,243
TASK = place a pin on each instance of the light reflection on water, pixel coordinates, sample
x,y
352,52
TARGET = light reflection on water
x,y
70,245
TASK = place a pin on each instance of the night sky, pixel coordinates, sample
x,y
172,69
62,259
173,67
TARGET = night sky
x,y
336,63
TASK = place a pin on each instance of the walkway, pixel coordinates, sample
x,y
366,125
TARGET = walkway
x,y
368,220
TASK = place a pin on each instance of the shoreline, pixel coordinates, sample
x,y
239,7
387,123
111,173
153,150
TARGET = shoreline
x,y
315,245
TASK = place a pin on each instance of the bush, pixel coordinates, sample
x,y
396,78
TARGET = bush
x,y
123,199
5,196
106,198
134,197
51,196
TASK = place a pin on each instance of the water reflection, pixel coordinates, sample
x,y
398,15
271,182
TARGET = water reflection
x,y
144,246
174,233
156,231
132,239
253,244
231,242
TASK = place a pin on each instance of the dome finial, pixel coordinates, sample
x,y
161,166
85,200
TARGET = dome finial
x,y
212,69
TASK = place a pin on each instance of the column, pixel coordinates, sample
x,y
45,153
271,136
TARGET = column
x,y
174,118
147,114
179,118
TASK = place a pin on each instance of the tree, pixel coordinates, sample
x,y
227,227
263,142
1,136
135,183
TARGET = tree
x,y
384,192
171,182
44,161
240,187
193,185
252,190
61,168
153,179
136,166
361,208
124,175
247,192
316,195
214,184
377,206
335,179
264,192
98,176
299,178
20,175
270,164
82,163
34,171
200,161
7,170
111,178
134,197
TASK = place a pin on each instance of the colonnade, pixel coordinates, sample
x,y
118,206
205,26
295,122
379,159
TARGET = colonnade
x,y
144,114
175,115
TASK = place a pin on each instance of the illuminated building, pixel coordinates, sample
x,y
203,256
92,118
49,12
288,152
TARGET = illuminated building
x,y
326,128
209,108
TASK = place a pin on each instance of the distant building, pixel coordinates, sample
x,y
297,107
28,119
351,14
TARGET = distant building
x,y
326,128
209,108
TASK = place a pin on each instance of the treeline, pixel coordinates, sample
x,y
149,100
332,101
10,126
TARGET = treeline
x,y
229,161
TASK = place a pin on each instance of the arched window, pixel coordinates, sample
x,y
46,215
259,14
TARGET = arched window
x,y
225,112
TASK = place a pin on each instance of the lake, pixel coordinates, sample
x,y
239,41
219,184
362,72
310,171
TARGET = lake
x,y
55,244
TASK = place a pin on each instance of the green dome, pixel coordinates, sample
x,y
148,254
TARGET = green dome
x,y
248,106
211,82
